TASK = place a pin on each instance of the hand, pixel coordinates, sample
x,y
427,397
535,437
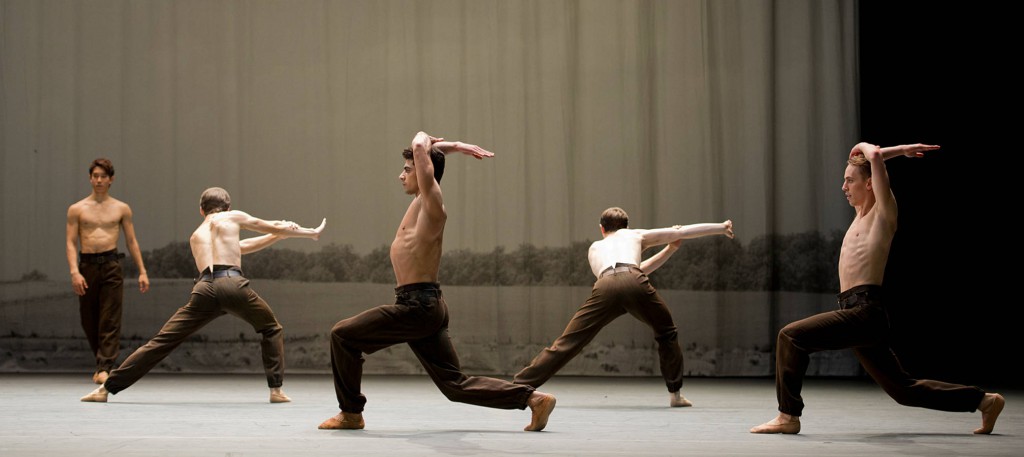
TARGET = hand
x,y
728,229
143,283
319,229
472,150
675,244
917,150
434,139
870,151
78,284
286,225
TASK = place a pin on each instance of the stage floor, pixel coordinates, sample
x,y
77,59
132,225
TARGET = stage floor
x,y
228,415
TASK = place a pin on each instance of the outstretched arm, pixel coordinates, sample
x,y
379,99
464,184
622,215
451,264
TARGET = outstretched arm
x,y
250,245
909,150
657,237
285,229
473,150
657,260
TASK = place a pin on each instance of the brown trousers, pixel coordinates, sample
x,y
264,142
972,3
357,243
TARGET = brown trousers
x,y
100,307
613,295
862,323
210,300
419,317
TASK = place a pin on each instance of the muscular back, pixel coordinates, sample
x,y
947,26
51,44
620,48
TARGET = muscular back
x,y
216,241
865,250
416,250
99,223
621,246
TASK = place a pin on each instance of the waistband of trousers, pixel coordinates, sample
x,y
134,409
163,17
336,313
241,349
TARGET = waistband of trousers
x,y
855,293
100,257
417,286
219,271
618,268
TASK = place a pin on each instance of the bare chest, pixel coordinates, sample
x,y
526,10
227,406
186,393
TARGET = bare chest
x,y
861,235
100,217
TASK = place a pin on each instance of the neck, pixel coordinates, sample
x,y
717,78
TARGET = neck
x,y
99,197
864,208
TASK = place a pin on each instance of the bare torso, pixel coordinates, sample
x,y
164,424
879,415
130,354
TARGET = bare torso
x,y
621,246
416,251
865,250
99,223
216,241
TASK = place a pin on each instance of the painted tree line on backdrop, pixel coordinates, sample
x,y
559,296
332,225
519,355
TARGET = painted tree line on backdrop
x,y
794,262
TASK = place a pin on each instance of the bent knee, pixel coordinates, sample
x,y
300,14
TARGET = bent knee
x,y
790,332
272,330
667,335
341,330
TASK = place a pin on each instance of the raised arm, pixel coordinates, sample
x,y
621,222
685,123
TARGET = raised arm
x,y
657,237
77,280
429,189
657,260
877,156
880,186
133,247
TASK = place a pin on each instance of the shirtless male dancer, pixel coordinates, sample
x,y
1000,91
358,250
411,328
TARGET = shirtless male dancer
x,y
862,322
622,287
96,275
419,316
220,289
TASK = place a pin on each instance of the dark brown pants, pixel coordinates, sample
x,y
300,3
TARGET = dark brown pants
x,y
100,308
613,295
210,300
419,317
862,323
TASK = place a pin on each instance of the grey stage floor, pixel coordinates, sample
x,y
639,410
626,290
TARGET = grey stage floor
x,y
227,415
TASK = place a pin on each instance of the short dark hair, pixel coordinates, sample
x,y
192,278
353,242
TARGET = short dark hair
x,y
861,163
614,218
103,163
215,200
436,157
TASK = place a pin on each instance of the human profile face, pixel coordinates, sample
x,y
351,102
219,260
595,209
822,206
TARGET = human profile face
x,y
408,178
100,180
856,186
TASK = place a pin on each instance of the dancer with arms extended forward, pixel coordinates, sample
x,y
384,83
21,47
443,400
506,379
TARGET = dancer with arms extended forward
x,y
220,289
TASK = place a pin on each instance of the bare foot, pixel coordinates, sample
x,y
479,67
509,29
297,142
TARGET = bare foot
x,y
99,395
343,421
100,377
276,396
784,423
541,405
677,400
991,405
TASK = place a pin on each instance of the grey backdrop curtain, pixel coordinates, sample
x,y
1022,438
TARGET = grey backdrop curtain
x,y
677,111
